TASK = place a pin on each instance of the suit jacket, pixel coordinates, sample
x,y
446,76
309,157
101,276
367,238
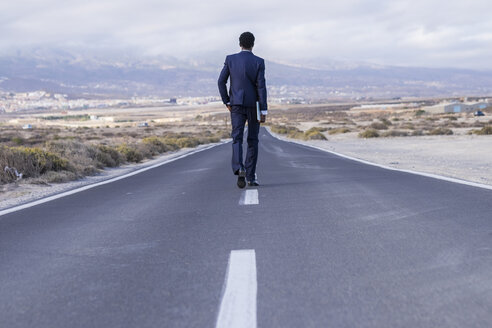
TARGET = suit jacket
x,y
247,80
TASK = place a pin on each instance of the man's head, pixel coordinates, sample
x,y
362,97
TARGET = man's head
x,y
247,40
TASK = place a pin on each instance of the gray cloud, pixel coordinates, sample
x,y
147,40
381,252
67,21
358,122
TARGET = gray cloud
x,y
419,33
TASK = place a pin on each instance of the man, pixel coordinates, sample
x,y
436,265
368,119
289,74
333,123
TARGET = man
x,y
247,86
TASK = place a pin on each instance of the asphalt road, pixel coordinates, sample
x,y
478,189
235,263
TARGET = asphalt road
x,y
338,244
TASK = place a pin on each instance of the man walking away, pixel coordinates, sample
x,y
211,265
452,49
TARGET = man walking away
x,y
247,86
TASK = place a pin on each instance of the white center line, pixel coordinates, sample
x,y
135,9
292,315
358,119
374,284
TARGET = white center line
x,y
249,197
238,306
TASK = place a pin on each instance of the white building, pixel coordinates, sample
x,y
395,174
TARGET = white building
x,y
465,107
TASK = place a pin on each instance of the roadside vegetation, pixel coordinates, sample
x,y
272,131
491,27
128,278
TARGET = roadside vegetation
x,y
338,120
293,132
369,133
48,155
486,130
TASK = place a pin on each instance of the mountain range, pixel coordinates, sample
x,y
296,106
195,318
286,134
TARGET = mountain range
x,y
125,75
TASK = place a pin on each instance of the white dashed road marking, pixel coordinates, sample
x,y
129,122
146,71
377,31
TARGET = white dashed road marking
x,y
249,197
238,306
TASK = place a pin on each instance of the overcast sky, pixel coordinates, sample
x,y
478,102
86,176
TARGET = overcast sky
x,y
432,33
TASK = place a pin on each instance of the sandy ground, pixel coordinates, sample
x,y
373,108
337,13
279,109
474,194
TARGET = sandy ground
x,y
465,157
130,116
19,193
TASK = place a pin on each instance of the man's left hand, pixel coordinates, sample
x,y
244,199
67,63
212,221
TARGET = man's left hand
x,y
262,118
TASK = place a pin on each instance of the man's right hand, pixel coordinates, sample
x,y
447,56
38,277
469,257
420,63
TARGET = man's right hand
x,y
229,107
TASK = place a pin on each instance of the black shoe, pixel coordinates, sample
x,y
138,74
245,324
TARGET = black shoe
x,y
241,179
253,183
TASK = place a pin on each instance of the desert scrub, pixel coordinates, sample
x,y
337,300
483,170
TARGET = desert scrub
x,y
85,158
395,133
451,124
59,159
486,130
378,126
18,140
338,130
130,152
316,129
386,121
440,131
314,134
284,129
408,126
84,117
188,142
80,155
157,145
419,112
478,124
290,131
109,156
369,133
30,162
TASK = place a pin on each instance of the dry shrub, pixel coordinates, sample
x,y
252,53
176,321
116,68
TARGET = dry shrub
x,y
284,129
86,158
452,124
18,140
62,159
30,162
55,177
486,130
109,156
188,142
81,156
408,126
223,134
478,124
130,152
369,133
378,126
395,133
290,131
156,145
440,131
386,121
314,134
338,130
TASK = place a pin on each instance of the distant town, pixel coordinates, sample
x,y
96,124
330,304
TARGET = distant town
x,y
40,101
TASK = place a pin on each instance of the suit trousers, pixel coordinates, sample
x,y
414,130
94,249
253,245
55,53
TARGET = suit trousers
x,y
239,116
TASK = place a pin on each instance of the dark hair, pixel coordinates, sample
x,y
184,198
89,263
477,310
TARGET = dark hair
x,y
247,40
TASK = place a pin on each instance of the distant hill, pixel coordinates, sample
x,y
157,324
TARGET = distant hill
x,y
65,72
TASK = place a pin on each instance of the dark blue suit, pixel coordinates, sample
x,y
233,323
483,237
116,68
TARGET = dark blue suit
x,y
247,86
